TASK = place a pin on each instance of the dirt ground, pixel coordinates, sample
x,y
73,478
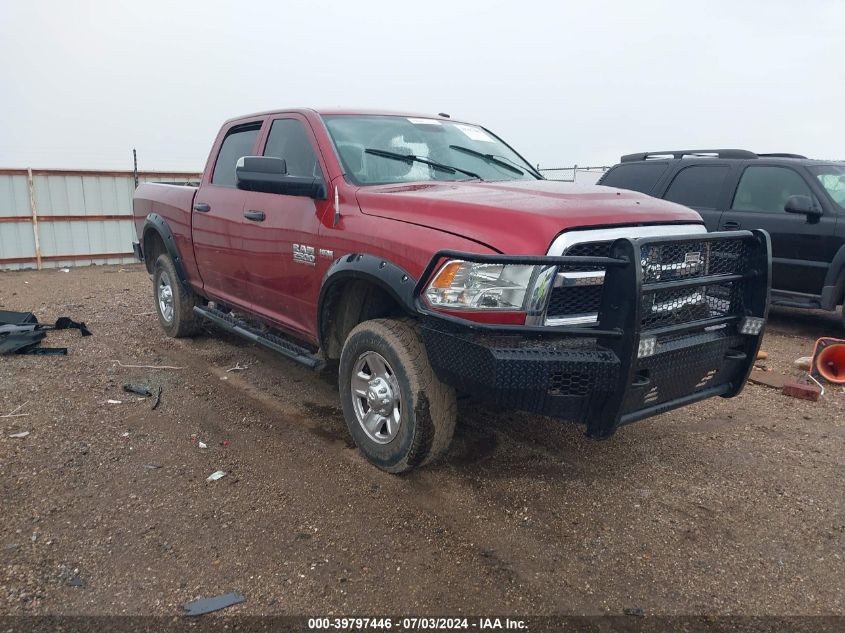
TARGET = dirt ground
x,y
725,507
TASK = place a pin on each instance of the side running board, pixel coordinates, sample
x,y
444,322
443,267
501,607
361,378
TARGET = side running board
x,y
271,341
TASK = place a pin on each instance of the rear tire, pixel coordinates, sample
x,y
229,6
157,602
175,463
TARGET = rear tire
x,y
397,411
173,301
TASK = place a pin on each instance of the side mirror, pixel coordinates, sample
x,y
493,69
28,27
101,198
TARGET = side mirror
x,y
270,175
801,204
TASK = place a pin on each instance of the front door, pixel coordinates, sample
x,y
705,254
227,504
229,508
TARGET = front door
x,y
802,246
284,267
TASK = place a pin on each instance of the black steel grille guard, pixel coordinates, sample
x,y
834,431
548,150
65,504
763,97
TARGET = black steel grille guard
x,y
624,318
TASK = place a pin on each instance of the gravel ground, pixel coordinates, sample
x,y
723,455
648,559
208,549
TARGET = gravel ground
x,y
727,506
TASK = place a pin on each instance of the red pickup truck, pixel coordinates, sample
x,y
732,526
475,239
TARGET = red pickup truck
x,y
425,256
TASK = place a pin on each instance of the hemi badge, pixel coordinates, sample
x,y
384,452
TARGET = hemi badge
x,y
693,258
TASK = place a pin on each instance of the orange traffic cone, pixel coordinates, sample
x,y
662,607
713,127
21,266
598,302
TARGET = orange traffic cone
x,y
829,360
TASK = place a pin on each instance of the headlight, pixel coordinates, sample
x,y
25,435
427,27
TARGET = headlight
x,y
461,285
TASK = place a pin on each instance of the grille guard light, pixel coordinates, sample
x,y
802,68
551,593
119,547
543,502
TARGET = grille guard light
x,y
751,325
647,347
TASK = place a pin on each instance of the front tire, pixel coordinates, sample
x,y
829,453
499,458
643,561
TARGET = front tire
x,y
174,303
397,411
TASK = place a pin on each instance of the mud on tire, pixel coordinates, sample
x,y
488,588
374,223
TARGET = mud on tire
x,y
174,302
427,407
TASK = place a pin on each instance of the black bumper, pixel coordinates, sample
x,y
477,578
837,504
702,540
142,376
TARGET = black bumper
x,y
595,374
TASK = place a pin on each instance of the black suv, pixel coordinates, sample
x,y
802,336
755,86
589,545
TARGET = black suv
x,y
800,202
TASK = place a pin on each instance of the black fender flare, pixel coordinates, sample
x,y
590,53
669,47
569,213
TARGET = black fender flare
x,y
154,222
377,270
834,281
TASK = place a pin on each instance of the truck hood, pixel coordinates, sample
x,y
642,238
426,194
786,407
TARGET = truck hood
x,y
517,217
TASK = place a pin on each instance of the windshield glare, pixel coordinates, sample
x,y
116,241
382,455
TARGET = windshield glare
x,y
429,139
832,178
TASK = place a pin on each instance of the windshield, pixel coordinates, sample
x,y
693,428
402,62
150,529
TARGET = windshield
x,y
832,178
392,149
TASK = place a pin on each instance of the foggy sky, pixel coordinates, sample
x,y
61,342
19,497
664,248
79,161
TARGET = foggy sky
x,y
83,82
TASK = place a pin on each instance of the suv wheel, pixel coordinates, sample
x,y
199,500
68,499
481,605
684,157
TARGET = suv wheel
x,y
174,303
397,411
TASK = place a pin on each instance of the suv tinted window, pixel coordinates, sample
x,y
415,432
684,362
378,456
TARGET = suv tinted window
x,y
637,176
698,186
767,188
289,140
240,141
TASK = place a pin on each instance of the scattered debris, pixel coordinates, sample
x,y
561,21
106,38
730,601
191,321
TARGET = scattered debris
x,y
19,435
74,581
634,611
224,443
110,401
157,400
125,434
202,444
818,384
237,367
766,378
64,270
14,412
145,366
207,605
21,333
141,390
761,355
217,474
802,391
152,466
803,363
145,313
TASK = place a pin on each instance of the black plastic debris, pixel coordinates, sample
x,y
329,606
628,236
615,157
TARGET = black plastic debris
x,y
141,390
636,612
74,581
208,605
157,400
21,333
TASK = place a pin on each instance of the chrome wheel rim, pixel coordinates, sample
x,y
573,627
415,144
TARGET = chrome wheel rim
x,y
165,297
376,397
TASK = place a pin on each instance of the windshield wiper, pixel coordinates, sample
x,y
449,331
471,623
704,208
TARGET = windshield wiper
x,y
410,158
490,158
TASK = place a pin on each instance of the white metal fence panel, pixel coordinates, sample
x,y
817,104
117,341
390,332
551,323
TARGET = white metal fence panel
x,y
57,218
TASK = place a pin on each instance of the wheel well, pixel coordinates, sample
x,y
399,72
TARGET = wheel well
x,y
348,303
153,247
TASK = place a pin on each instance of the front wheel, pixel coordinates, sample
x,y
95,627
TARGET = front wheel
x,y
397,411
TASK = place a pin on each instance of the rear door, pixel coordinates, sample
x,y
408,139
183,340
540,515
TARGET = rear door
x,y
703,188
217,218
281,231
802,246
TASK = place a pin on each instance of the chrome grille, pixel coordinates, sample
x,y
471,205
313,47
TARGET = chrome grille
x,y
576,294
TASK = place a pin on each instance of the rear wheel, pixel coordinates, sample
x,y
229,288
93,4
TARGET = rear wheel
x,y
174,303
397,411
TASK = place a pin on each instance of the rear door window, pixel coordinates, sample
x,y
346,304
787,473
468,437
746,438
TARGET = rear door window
x,y
640,177
765,189
698,186
239,142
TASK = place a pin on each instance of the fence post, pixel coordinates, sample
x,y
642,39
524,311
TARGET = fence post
x,y
33,209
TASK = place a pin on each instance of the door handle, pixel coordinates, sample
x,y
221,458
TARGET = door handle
x,y
202,207
255,216
730,225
